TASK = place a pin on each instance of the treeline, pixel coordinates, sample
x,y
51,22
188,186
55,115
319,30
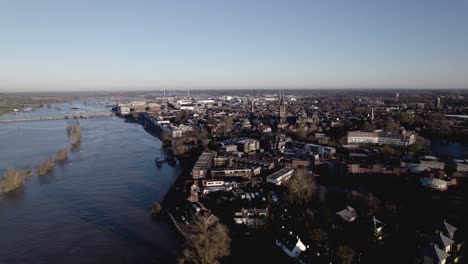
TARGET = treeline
x,y
14,178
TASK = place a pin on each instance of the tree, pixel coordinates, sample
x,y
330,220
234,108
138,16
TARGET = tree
x,y
61,155
165,137
390,125
406,120
208,244
319,236
181,117
420,146
226,124
156,209
300,188
344,254
366,126
12,179
75,135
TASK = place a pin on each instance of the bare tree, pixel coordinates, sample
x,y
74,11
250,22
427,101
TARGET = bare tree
x,y
300,188
12,179
344,254
208,244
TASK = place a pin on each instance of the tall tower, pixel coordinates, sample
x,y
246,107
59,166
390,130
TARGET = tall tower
x,y
437,102
282,108
372,115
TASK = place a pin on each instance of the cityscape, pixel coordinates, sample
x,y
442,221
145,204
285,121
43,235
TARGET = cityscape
x,y
219,132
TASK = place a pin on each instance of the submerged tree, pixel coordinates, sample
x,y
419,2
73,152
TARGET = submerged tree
x,y
156,209
208,244
75,135
46,166
61,155
12,179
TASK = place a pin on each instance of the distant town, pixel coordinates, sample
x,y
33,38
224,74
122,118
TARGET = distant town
x,y
332,177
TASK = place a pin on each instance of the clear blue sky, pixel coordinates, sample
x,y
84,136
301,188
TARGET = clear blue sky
x,y
136,44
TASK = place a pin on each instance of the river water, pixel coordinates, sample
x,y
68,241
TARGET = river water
x,y
95,207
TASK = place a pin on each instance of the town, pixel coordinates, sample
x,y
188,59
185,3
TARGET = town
x,y
313,177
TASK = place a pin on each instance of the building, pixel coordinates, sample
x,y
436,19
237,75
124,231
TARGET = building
x,y
446,229
290,244
248,145
462,165
348,214
235,172
435,255
209,186
123,109
437,103
280,176
282,109
250,217
426,163
435,184
357,168
203,165
320,150
401,139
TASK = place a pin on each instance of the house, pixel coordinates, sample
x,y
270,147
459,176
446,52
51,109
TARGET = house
x,y
446,229
290,244
348,214
434,255
442,242
378,228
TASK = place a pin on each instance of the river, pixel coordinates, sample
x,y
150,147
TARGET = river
x,y
95,207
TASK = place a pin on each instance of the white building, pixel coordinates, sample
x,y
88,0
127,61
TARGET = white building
x,y
290,244
435,184
280,176
402,139
462,165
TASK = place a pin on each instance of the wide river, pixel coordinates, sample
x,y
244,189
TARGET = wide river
x,y
95,207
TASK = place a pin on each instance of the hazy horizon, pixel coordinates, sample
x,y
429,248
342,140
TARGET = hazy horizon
x,y
51,45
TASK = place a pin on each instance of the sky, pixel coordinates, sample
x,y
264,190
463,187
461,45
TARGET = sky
x,y
71,45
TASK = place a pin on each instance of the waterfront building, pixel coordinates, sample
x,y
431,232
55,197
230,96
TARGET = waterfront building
x,y
203,165
402,139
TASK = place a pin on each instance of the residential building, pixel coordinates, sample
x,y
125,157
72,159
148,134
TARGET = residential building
x,y
203,165
280,176
248,145
348,214
290,244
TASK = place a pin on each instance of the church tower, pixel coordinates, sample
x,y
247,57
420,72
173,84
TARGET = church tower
x,y
282,109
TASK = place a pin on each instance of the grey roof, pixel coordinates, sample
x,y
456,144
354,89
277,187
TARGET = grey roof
x,y
442,240
436,253
449,228
348,214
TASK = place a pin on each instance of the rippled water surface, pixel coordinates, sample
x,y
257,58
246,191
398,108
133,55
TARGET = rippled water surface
x,y
92,209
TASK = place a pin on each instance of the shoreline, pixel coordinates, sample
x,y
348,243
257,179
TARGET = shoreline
x,y
171,197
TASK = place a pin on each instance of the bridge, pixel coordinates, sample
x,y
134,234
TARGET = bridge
x,y
82,115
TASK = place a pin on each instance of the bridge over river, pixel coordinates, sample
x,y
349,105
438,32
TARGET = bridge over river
x,y
84,115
